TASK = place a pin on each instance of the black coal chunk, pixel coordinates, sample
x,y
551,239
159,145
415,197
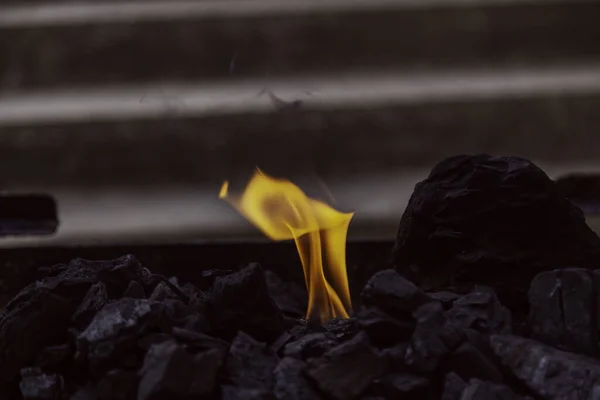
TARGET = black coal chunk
x,y
391,292
453,387
403,386
169,371
383,329
291,383
495,221
480,390
240,301
37,385
481,311
291,298
118,384
564,309
469,362
250,364
135,290
311,345
113,331
41,313
347,370
94,300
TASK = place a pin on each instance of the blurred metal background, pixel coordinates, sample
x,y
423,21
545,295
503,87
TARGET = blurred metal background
x,y
132,113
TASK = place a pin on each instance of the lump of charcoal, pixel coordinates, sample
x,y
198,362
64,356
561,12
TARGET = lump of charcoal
x,y
402,386
433,339
563,309
169,371
163,291
292,299
237,393
445,297
454,386
118,384
250,364
170,313
36,385
468,362
135,290
495,221
196,342
209,276
95,298
482,312
241,302
311,345
480,390
549,373
394,294
382,329
113,331
54,355
346,371
291,383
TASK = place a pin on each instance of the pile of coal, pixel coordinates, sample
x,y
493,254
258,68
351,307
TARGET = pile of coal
x,y
99,330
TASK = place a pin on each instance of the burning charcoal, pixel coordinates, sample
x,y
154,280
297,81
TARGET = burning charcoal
x,y
114,329
392,293
241,301
402,386
453,387
289,297
432,340
163,291
348,369
495,221
94,300
479,390
169,371
342,328
481,311
54,355
135,290
468,362
383,329
311,345
549,373
290,382
250,364
36,385
118,385
564,309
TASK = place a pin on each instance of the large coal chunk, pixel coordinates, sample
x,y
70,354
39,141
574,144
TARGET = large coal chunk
x,y
496,221
563,309
549,373
291,383
41,313
241,301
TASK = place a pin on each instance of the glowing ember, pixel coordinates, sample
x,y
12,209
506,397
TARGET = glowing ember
x,y
283,212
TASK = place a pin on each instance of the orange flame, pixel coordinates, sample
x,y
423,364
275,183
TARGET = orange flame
x,y
283,211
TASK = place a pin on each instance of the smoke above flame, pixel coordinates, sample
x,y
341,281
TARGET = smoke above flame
x,y
282,211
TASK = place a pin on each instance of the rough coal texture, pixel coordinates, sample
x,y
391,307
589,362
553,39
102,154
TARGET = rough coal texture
x,y
113,330
496,221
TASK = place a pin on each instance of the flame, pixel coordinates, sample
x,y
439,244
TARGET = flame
x,y
283,212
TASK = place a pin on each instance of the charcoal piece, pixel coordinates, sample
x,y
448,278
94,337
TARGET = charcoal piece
x,y
196,322
480,390
209,276
169,371
170,312
482,312
445,297
250,364
311,345
342,328
95,298
118,384
196,342
41,313
135,290
394,294
36,385
468,362
242,393
146,341
87,392
288,296
291,383
54,355
396,356
163,291
346,371
549,373
383,329
563,310
403,386
496,221
434,338
113,331
241,301
453,388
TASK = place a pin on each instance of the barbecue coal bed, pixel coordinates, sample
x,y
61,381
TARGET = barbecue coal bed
x,y
488,292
